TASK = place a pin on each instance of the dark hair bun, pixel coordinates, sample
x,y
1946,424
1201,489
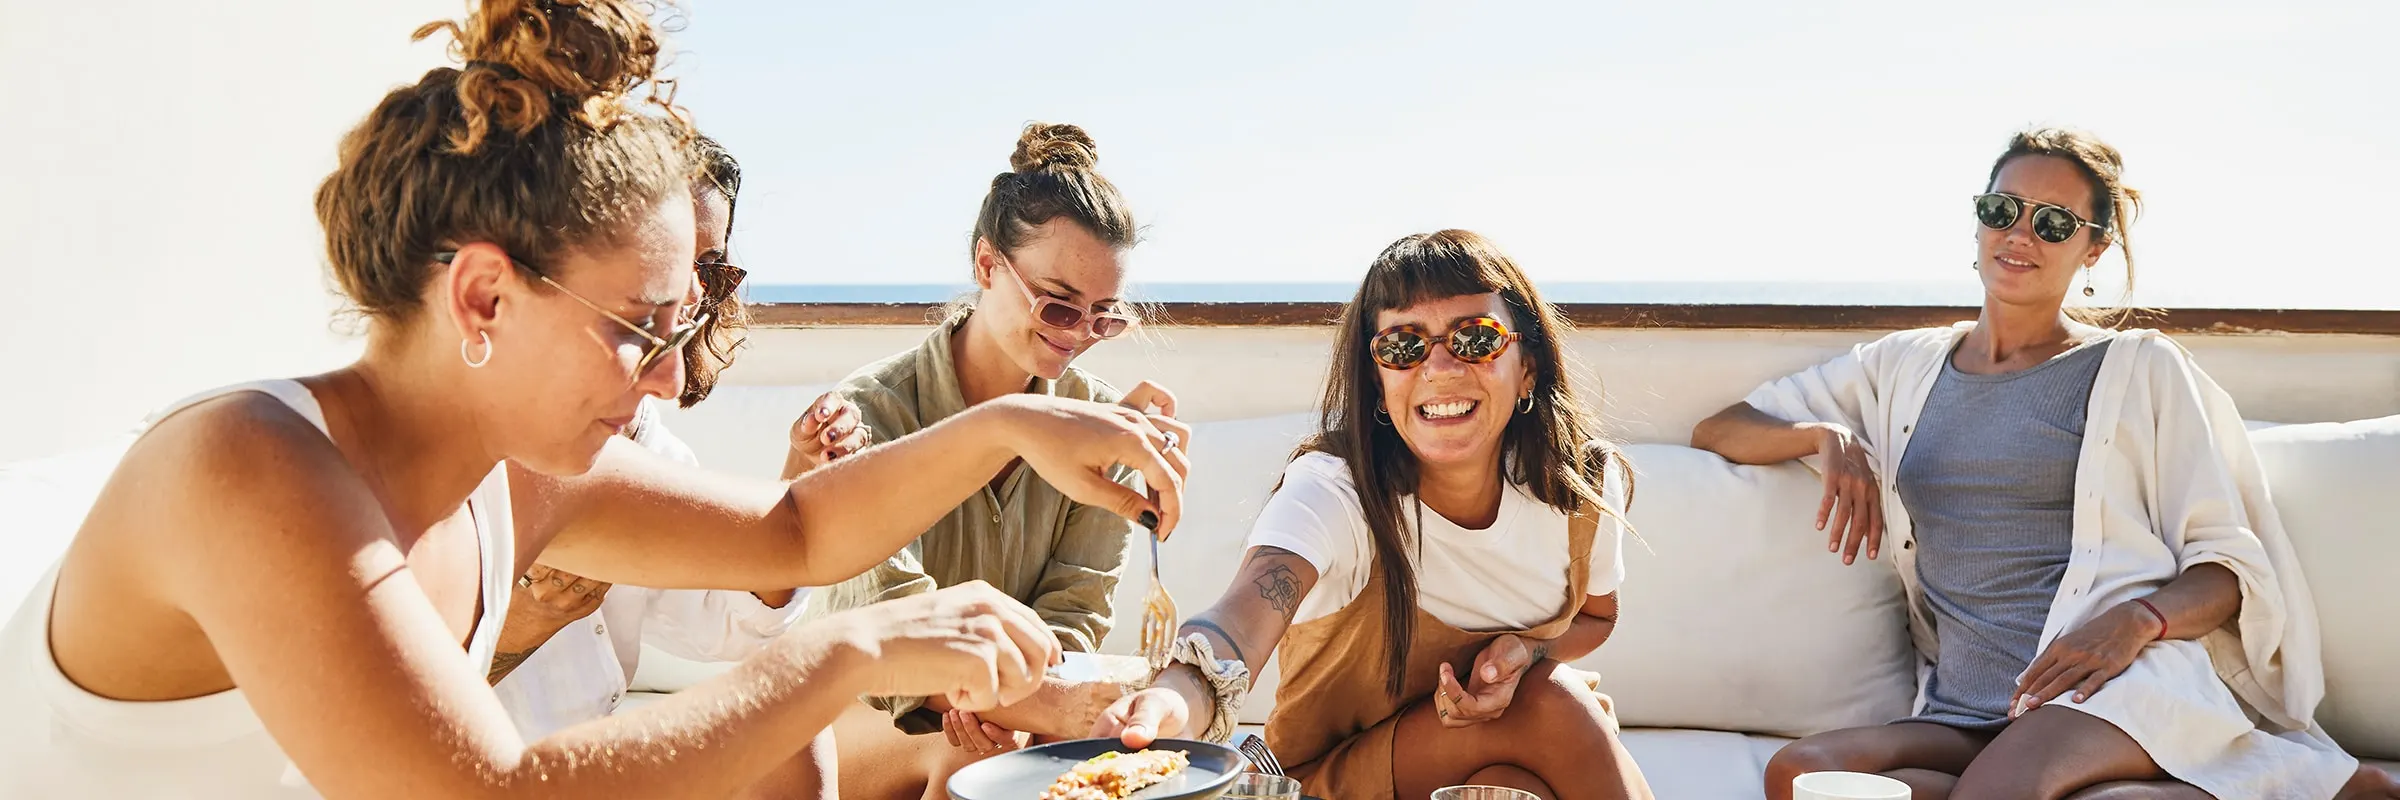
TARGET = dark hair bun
x,y
1047,145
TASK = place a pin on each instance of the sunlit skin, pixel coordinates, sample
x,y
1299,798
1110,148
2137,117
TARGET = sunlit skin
x,y
1458,455
1002,346
2024,323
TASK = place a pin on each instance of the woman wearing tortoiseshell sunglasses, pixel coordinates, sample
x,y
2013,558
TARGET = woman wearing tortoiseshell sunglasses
x,y
2093,565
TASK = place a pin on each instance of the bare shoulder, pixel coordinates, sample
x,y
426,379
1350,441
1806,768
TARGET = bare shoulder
x,y
228,476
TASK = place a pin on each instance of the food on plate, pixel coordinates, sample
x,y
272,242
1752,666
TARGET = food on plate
x,y
1114,776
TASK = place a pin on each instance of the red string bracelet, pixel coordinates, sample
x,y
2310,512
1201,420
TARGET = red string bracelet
x,y
2162,618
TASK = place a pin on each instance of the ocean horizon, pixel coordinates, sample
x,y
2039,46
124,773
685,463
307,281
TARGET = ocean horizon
x,y
1850,293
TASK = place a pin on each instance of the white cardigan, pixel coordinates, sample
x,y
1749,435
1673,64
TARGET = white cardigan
x,y
2166,480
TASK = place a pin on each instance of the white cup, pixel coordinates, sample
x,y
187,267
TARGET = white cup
x,y
1847,786
1480,793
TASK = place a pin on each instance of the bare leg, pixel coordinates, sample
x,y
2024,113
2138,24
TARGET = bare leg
x,y
2052,753
1921,754
810,775
1513,777
1555,729
2142,790
1923,784
2370,783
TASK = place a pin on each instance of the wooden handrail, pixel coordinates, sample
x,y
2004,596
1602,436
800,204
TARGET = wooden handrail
x,y
1643,315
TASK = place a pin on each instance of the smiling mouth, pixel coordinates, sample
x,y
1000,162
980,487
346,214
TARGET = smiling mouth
x,y
2014,262
1454,409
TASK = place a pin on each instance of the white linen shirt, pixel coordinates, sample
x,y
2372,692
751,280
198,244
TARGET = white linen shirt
x,y
583,671
2166,480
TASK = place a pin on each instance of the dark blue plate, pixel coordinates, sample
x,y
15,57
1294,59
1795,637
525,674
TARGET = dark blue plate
x,y
1024,774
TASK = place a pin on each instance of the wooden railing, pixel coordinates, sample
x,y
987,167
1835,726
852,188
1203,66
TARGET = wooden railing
x,y
1647,315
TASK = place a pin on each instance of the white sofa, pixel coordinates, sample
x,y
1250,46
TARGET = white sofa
x,y
1739,629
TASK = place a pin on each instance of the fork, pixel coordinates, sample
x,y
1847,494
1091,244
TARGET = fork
x,y
1254,748
1158,609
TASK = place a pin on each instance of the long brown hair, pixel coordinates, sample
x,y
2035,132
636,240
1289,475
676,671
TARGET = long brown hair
x,y
1556,451
533,145
2114,205
707,355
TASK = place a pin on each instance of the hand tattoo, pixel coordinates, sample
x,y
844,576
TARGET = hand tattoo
x,y
504,663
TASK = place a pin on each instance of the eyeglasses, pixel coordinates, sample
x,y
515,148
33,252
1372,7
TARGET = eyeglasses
x,y
1063,315
719,278
1475,341
660,346
2053,223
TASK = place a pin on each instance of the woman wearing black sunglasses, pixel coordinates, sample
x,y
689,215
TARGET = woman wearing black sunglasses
x,y
2091,562
1048,253
294,588
1434,554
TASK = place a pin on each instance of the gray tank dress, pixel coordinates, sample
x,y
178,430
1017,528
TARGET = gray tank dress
x,y
1989,480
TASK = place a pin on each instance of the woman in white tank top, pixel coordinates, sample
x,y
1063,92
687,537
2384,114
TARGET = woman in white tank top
x,y
292,588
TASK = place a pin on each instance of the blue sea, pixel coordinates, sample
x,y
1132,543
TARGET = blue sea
x,y
1877,293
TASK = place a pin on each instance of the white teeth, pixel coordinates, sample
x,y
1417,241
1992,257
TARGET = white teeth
x,y
1458,408
2014,262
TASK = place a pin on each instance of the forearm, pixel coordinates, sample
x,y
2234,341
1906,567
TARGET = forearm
x,y
854,513
1586,634
1058,709
515,646
707,741
2200,600
1746,435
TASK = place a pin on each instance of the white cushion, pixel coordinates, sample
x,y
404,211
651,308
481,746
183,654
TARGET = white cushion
x,y
1235,466
1707,765
2337,487
1735,617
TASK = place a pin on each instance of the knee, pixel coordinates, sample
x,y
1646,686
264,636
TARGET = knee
x,y
1813,754
1560,702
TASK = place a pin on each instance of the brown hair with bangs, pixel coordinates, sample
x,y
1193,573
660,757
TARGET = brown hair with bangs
x,y
1556,451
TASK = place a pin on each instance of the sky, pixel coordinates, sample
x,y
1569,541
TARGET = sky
x,y
1595,141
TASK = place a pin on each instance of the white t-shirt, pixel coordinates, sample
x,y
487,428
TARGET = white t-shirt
x,y
1510,576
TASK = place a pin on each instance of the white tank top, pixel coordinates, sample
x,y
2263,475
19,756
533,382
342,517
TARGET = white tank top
x,y
57,740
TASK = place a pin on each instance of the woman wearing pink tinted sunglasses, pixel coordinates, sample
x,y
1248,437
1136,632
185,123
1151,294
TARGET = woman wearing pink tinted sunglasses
x,y
1048,263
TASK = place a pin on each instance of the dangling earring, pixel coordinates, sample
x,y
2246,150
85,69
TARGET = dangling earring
x,y
2087,281
487,351
1525,404
1382,416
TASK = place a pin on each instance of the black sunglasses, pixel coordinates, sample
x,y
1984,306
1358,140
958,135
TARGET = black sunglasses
x,y
2053,223
660,346
1475,341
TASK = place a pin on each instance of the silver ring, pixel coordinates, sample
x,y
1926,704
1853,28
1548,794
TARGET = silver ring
x,y
1172,440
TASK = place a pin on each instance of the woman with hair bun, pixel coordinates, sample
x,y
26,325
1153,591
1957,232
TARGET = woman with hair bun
x,y
293,588
1048,260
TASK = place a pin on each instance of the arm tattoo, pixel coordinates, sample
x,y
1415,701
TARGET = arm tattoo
x,y
1281,589
1278,585
1206,624
504,663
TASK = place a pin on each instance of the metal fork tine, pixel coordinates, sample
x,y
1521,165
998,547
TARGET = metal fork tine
x,y
1261,759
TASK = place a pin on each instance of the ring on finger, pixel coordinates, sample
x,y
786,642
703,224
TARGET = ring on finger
x,y
1172,440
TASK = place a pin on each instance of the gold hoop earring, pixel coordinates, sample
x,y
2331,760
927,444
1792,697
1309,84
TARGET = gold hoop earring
x,y
487,351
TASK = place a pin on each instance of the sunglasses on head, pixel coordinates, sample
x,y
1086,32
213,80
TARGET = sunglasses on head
x,y
1474,341
2053,223
660,346
1063,315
